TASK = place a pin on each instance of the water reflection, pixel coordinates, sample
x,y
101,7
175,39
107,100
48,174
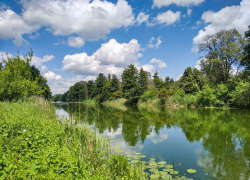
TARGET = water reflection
x,y
216,141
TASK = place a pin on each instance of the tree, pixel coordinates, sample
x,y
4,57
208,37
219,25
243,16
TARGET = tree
x,y
192,80
90,88
20,80
57,97
246,54
130,85
143,80
223,55
100,81
114,86
157,80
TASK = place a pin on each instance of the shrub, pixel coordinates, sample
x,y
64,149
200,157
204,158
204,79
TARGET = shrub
x,y
241,94
150,94
163,94
118,94
206,96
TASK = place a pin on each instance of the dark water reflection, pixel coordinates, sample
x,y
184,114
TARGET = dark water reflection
x,y
214,142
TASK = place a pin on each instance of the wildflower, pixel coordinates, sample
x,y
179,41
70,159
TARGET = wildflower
x,y
24,130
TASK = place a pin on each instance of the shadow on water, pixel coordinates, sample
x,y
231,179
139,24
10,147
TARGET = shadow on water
x,y
221,137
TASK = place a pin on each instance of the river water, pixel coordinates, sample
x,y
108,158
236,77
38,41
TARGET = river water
x,y
214,142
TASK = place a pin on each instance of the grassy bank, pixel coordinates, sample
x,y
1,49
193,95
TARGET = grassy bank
x,y
36,145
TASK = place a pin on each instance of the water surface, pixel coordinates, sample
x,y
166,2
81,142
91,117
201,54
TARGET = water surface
x,y
215,142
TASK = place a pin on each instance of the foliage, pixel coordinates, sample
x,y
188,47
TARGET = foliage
x,y
241,95
206,96
36,145
246,54
192,80
163,94
117,94
20,80
150,94
223,53
57,97
222,95
130,85
157,81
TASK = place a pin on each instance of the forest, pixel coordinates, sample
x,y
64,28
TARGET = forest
x,y
222,81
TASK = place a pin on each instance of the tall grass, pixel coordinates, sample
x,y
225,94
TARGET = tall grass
x,y
35,144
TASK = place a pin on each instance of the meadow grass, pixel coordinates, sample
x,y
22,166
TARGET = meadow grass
x,y
35,144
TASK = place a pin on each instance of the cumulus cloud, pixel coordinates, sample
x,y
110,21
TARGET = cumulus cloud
x,y
227,18
38,61
142,17
35,35
167,18
161,3
44,69
148,67
160,63
60,85
91,20
13,26
75,42
179,77
157,45
111,57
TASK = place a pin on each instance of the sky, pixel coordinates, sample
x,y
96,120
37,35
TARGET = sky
x,y
75,40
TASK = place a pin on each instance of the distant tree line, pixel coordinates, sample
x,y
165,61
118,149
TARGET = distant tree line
x,y
20,80
222,81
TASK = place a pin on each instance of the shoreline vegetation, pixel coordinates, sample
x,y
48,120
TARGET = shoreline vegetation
x,y
37,144
221,79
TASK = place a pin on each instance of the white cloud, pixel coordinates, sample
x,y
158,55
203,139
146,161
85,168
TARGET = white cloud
x,y
35,35
189,12
157,139
111,57
227,18
160,63
167,18
121,55
161,3
142,17
37,61
157,45
44,69
91,20
13,26
75,42
60,85
60,42
148,67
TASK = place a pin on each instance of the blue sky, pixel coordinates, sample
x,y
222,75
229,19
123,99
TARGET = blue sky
x,y
74,40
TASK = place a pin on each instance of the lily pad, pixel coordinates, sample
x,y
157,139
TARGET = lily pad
x,y
167,176
191,171
174,172
162,162
137,153
169,166
153,164
161,166
167,170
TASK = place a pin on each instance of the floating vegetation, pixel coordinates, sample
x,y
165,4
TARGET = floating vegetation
x,y
191,171
154,170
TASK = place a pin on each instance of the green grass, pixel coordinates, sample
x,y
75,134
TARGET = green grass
x,y
35,144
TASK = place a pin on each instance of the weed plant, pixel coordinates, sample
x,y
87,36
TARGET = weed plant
x,y
35,144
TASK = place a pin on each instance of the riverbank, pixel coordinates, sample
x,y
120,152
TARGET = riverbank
x,y
35,144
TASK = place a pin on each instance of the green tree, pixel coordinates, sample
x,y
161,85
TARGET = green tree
x,y
143,80
223,55
114,86
130,85
192,80
20,80
157,81
246,54
241,94
100,82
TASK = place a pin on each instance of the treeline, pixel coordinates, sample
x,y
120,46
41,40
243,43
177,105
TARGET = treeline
x,y
20,80
223,80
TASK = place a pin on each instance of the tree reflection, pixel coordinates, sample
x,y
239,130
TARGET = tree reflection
x,y
225,134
